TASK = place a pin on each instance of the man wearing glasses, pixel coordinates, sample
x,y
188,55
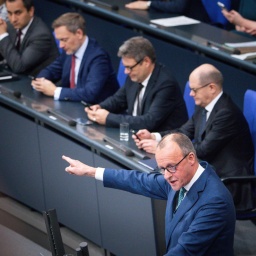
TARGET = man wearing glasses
x,y
218,129
200,214
151,97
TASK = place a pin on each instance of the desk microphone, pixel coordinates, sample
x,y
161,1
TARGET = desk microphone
x,y
112,7
61,116
17,94
123,148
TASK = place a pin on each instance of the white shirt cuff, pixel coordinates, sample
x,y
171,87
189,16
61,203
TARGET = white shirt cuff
x,y
158,136
57,93
148,3
99,173
3,35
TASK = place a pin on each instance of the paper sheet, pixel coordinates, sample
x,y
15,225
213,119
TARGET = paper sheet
x,y
175,21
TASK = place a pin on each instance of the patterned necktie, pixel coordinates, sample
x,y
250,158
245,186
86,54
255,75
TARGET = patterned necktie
x,y
181,196
72,72
138,99
18,39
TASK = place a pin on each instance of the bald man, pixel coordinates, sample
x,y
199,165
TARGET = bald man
x,y
225,140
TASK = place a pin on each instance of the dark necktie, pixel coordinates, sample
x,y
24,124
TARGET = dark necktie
x,y
18,39
72,72
202,124
138,99
181,196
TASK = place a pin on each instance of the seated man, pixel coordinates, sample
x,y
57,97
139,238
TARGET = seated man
x,y
26,44
84,68
200,216
224,141
150,98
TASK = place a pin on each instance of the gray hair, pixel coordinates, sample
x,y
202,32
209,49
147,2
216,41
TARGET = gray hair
x,y
137,48
182,141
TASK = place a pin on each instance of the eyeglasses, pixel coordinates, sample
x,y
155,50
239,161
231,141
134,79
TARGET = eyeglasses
x,y
196,89
172,168
130,68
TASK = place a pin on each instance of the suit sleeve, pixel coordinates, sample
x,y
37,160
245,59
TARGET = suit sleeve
x,y
162,103
151,185
172,6
36,51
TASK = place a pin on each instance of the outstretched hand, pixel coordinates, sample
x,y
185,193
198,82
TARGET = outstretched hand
x,y
78,168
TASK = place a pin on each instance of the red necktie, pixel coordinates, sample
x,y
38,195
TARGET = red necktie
x,y
18,40
72,71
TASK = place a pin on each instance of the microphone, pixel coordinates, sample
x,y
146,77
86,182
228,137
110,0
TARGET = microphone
x,y
112,7
63,117
123,148
84,249
17,94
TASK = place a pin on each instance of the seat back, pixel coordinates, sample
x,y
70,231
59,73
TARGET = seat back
x,y
214,11
189,101
121,76
250,115
57,43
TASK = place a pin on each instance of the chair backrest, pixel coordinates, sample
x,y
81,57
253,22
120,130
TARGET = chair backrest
x,y
189,101
250,115
57,43
121,76
53,232
214,11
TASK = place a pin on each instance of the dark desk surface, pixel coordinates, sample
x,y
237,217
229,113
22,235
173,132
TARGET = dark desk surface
x,y
194,36
35,105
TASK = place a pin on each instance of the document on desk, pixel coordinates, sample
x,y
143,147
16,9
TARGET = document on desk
x,y
247,50
175,21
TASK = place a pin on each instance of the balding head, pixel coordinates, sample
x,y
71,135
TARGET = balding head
x,y
205,83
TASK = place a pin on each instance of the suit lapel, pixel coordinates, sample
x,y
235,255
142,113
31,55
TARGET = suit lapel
x,y
150,85
188,202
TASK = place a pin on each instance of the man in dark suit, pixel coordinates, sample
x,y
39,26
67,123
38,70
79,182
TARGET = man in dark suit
x,y
225,140
84,68
200,214
151,96
36,47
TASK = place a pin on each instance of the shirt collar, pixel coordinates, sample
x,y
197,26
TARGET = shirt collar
x,y
199,171
211,105
25,29
145,82
80,52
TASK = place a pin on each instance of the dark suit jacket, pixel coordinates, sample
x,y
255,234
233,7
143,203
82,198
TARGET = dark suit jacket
x,y
191,8
96,78
38,49
162,104
204,223
226,144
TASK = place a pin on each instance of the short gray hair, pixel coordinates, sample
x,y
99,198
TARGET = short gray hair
x,y
137,48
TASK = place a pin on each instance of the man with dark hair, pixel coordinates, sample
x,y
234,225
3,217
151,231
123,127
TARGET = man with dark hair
x,y
26,44
84,68
200,215
151,96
